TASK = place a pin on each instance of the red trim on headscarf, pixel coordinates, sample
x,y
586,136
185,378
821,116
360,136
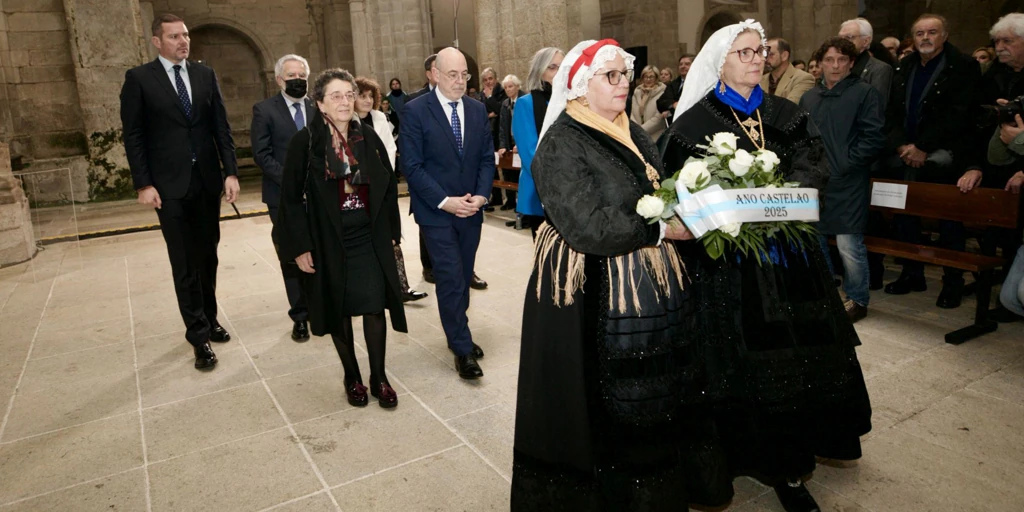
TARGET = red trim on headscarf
x,y
588,57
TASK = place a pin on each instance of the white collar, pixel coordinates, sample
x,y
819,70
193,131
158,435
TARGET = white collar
x,y
444,99
289,100
169,65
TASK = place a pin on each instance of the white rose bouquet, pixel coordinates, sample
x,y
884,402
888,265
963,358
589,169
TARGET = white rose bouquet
x,y
725,167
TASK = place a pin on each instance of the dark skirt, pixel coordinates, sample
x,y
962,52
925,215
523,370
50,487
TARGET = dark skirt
x,y
781,375
364,279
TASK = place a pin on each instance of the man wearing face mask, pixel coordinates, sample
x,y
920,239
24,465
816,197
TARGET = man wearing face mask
x,y
274,121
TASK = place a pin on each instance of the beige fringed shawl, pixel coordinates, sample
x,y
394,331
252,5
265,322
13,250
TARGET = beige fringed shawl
x,y
660,265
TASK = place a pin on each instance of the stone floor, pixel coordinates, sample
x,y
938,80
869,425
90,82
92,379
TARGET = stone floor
x,y
102,409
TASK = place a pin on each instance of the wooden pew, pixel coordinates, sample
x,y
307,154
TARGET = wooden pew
x,y
984,207
505,163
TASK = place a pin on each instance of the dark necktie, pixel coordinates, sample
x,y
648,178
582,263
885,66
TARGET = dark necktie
x,y
300,120
182,91
456,125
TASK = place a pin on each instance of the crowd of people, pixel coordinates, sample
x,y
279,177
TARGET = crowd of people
x,y
651,373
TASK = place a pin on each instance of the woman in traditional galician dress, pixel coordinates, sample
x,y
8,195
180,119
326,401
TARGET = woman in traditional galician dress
x,y
780,374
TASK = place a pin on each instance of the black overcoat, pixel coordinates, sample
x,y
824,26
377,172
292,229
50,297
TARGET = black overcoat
x,y
315,226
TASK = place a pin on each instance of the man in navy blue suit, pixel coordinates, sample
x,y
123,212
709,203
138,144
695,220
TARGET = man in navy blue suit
x,y
448,154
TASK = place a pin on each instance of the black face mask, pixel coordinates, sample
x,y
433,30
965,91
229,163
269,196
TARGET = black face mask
x,y
296,87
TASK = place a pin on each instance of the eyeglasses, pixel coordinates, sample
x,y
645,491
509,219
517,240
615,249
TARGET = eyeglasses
x,y
747,54
454,76
615,76
338,96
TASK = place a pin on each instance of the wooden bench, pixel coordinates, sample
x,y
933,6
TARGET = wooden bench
x,y
505,163
984,207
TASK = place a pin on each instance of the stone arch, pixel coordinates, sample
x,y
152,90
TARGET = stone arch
x,y
715,19
245,69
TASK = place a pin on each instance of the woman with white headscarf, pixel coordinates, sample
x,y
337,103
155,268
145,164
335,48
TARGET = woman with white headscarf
x,y
604,361
781,372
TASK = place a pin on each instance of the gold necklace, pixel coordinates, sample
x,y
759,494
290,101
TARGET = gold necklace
x,y
754,130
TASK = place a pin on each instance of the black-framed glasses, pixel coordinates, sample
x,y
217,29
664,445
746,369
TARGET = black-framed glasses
x,y
615,76
747,54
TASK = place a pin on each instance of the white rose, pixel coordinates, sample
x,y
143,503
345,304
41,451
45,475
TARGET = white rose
x,y
741,162
771,187
724,143
693,171
769,160
650,207
732,229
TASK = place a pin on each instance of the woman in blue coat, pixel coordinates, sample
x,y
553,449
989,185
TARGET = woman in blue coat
x,y
527,120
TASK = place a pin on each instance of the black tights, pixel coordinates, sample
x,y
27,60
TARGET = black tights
x,y
375,333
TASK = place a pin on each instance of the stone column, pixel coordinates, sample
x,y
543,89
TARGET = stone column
x,y
508,35
17,242
107,39
388,40
360,37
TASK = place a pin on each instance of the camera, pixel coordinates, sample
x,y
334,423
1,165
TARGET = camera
x,y
1000,114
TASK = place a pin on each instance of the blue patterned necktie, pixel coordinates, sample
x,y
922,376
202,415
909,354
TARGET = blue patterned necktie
x,y
456,125
300,120
182,91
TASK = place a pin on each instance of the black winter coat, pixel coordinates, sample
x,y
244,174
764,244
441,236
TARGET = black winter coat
x,y
948,111
999,82
850,120
315,225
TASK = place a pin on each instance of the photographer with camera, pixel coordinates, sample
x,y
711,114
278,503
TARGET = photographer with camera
x,y
934,91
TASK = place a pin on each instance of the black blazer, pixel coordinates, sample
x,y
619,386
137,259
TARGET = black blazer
x,y
505,138
160,141
273,125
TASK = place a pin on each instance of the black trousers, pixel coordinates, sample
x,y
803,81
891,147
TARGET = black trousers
x,y
297,310
191,229
424,255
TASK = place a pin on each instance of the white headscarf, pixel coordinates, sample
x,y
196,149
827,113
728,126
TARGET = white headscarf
x,y
562,93
706,69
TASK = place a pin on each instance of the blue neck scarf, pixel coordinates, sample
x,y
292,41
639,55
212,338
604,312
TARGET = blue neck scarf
x,y
735,100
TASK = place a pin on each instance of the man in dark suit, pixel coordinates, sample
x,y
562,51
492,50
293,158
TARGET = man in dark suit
x,y
274,121
428,269
448,153
175,131
667,101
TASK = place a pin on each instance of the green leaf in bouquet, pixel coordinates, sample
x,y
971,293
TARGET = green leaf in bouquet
x,y
714,245
669,183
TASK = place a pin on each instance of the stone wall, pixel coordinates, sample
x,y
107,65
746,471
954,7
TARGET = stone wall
x,y
651,23
391,38
969,21
807,23
509,33
42,117
17,242
239,74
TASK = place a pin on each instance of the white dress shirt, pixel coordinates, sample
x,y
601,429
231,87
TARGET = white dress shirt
x,y
289,101
448,112
169,67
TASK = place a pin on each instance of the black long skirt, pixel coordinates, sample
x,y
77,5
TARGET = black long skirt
x,y
364,279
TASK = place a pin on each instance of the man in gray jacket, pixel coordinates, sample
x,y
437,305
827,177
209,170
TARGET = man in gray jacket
x,y
873,71
848,113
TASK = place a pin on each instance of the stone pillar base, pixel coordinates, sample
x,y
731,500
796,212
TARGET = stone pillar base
x,y
17,242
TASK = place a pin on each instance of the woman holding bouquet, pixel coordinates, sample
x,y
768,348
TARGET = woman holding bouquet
x,y
782,378
604,358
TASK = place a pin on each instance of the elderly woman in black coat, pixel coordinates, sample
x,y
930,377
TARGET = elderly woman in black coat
x,y
339,221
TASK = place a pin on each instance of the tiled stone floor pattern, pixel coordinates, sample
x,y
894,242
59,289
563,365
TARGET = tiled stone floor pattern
x,y
102,410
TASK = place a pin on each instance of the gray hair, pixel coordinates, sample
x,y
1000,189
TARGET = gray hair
x,y
1013,22
326,77
863,24
489,70
511,78
652,69
538,64
279,67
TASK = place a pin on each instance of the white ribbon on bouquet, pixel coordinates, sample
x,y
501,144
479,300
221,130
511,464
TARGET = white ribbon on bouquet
x,y
712,208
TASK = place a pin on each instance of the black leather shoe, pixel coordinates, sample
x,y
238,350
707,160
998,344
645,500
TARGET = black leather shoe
x,y
796,499
428,275
875,284
488,208
218,334
477,283
205,358
906,284
507,206
411,295
300,331
952,294
467,367
478,353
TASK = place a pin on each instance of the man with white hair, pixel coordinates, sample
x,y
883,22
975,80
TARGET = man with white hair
x,y
274,121
893,45
873,71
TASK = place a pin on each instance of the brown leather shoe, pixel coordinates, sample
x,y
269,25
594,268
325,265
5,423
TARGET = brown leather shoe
x,y
385,394
356,393
855,311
